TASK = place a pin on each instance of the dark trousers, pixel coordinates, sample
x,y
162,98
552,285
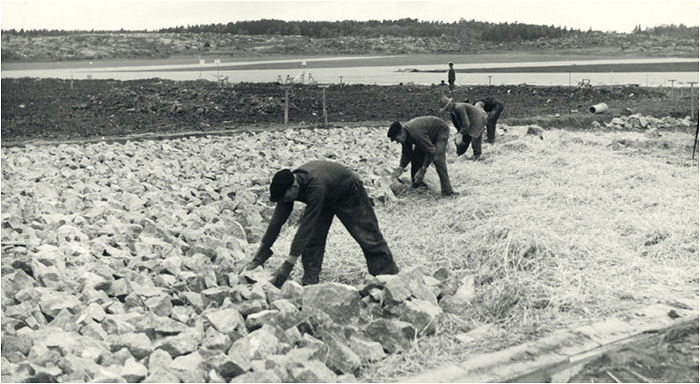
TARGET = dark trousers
x,y
491,123
356,213
440,161
475,142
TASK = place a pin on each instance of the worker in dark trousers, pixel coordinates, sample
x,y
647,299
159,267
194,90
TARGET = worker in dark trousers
x,y
469,121
423,142
493,108
329,189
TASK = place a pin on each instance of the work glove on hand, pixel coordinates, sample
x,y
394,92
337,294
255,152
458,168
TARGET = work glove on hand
x,y
260,258
418,179
282,273
396,173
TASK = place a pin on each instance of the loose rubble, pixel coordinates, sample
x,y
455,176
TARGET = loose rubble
x,y
639,121
122,263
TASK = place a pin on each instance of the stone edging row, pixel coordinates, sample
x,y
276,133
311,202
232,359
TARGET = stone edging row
x,y
549,359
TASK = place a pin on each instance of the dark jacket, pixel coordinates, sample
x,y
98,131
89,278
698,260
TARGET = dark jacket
x,y
321,184
468,119
451,75
423,132
490,103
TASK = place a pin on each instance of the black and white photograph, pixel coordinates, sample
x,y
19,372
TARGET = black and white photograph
x,y
349,191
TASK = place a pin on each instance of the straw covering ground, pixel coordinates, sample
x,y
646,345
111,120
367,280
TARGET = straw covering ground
x,y
548,233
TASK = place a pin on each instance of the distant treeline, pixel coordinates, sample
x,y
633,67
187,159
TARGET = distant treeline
x,y
373,29
471,29
679,31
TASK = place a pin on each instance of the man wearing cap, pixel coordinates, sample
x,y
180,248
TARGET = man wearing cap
x,y
423,141
328,189
493,108
451,76
469,121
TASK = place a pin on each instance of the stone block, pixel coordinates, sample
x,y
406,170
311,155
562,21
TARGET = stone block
x,y
225,320
258,319
394,335
341,302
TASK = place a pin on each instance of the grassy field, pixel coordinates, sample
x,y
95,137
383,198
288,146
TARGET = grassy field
x,y
556,232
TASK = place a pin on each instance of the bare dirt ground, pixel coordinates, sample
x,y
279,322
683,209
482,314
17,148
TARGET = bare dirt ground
x,y
51,109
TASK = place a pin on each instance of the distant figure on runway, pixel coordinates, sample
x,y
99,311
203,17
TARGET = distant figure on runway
x,y
451,77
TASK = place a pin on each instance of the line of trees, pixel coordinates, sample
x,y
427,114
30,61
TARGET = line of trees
x,y
376,28
467,29
680,31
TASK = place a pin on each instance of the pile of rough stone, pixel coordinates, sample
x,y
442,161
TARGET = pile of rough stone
x,y
214,325
638,121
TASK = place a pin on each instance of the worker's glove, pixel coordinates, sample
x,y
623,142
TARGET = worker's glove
x,y
418,178
396,173
260,258
459,140
282,273
252,265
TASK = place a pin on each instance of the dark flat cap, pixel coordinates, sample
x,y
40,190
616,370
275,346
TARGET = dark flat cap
x,y
281,181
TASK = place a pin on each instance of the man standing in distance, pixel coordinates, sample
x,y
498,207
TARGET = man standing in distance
x,y
451,77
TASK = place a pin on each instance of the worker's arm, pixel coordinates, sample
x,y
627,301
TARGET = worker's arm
x,y
426,145
315,196
463,119
279,217
405,155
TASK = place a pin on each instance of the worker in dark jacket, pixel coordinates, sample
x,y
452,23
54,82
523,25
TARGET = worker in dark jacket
x,y
469,121
493,108
328,189
423,141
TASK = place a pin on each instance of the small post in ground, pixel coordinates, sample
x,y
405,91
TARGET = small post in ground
x,y
286,105
325,113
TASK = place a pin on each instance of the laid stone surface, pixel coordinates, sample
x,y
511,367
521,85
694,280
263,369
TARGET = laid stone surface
x,y
421,314
159,359
133,372
341,302
258,319
292,291
161,375
233,364
257,344
341,357
284,305
16,346
181,344
394,335
215,341
267,376
138,344
53,302
368,350
225,320
313,371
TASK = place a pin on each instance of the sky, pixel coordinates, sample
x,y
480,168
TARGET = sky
x,y
611,15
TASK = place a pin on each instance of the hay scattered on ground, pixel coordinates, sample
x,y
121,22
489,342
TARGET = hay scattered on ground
x,y
558,232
